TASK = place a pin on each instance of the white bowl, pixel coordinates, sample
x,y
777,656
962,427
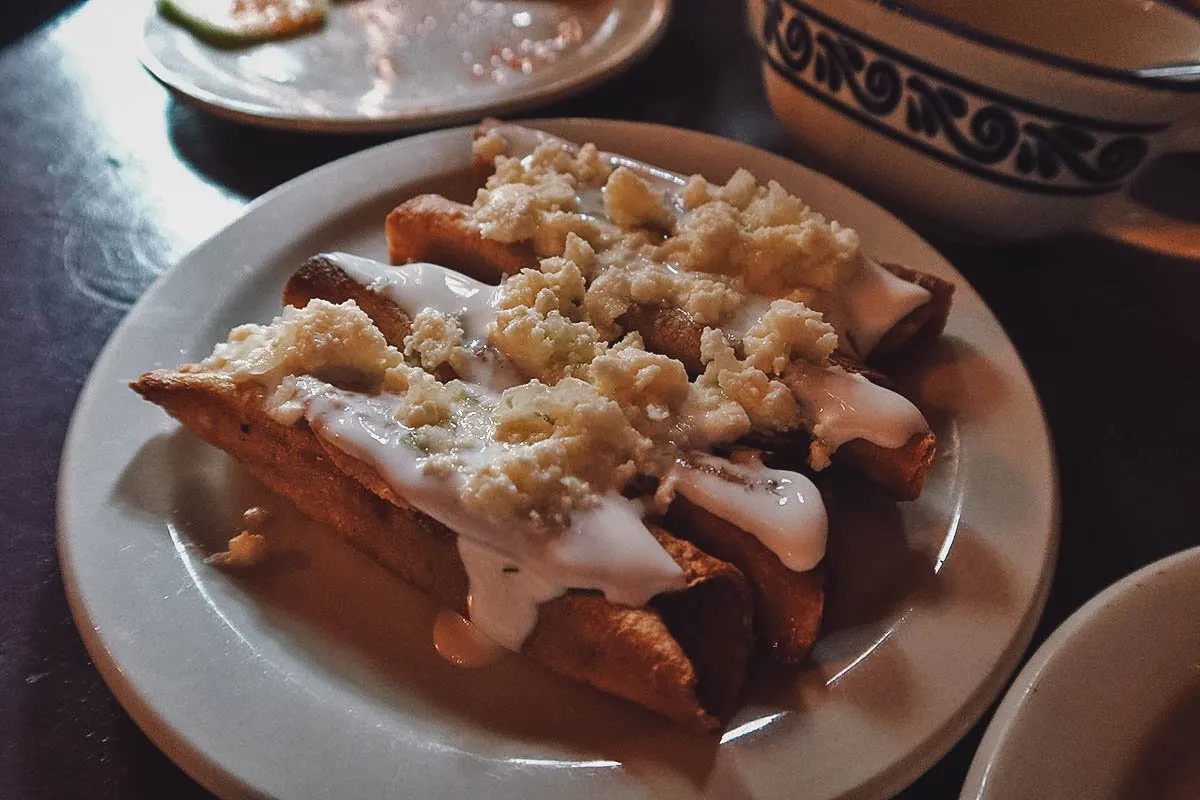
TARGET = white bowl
x,y
997,137
1109,706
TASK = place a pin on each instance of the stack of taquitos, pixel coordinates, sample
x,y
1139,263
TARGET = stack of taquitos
x,y
684,653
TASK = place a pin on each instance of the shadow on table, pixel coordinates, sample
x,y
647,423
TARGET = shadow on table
x,y
250,160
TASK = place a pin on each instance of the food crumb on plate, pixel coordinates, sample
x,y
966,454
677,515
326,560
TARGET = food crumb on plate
x,y
247,549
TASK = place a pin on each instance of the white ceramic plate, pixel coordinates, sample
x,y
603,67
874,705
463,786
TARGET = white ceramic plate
x,y
386,65
1109,707
316,677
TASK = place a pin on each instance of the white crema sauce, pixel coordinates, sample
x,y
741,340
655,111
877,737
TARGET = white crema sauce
x,y
870,302
417,287
842,406
781,509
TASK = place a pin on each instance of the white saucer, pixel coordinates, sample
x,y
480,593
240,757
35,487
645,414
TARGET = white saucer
x,y
317,678
1109,707
383,65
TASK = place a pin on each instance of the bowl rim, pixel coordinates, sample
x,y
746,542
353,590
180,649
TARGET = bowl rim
x,y
1176,78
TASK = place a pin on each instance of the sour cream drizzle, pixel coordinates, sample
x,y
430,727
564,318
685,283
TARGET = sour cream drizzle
x,y
781,509
870,303
417,287
843,406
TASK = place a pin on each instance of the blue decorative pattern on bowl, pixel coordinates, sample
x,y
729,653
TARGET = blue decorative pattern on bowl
x,y
992,135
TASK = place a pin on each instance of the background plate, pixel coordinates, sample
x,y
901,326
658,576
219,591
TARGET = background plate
x,y
315,676
386,65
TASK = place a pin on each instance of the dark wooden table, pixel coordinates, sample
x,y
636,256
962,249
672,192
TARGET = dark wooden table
x,y
105,181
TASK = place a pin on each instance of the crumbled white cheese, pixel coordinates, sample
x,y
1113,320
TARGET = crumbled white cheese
x,y
563,444
708,299
513,212
704,240
631,203
436,339
321,338
762,233
557,227
557,285
490,145
256,516
597,411
715,417
551,448
788,330
544,346
767,403
726,241
649,387
536,199
578,251
584,166
426,400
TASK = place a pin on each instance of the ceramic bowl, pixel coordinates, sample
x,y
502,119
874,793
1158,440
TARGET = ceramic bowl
x,y
1021,135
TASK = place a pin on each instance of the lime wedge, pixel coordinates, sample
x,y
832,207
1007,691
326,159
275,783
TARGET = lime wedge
x,y
229,23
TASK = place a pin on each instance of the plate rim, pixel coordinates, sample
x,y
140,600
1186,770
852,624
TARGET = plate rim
x,y
213,776
1046,657
609,66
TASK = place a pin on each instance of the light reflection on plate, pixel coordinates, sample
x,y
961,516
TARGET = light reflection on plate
x,y
382,65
